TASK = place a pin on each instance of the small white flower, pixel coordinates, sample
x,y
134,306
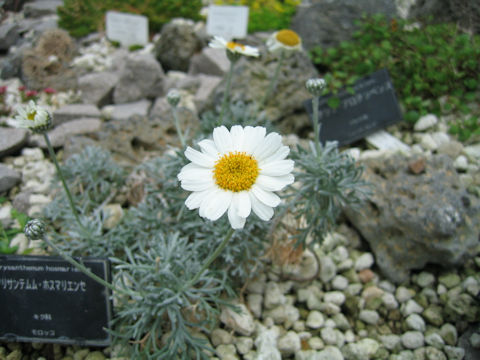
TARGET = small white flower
x,y
284,40
32,117
233,47
237,172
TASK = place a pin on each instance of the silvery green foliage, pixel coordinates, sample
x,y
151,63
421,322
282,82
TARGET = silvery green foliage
x,y
327,181
93,179
169,313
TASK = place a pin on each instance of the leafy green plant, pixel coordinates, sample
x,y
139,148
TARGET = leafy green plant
x,y
434,68
6,235
82,17
266,14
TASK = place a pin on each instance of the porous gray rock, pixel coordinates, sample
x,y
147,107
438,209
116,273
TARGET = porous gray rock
x,y
251,79
71,112
9,34
209,61
326,23
60,134
11,140
97,88
415,219
38,9
141,77
177,44
8,178
125,111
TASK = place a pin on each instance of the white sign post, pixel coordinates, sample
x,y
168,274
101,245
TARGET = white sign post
x,y
127,29
227,21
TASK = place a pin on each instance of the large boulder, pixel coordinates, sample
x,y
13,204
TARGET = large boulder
x,y
250,82
141,77
465,13
326,23
177,44
419,213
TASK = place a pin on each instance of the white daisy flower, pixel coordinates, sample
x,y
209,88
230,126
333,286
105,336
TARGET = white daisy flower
x,y
233,47
237,172
32,117
284,40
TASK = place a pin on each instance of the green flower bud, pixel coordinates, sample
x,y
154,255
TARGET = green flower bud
x,y
315,86
173,97
35,229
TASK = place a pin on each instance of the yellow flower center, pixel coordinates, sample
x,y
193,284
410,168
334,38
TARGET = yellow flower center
x,y
288,37
236,171
232,45
31,115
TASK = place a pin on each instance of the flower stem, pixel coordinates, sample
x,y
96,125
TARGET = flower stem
x,y
316,124
177,126
273,82
83,268
226,93
64,183
211,258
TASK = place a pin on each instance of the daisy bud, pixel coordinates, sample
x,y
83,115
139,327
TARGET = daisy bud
x,y
315,86
35,229
173,97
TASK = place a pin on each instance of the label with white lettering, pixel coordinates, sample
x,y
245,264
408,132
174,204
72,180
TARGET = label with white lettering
x,y
48,300
372,106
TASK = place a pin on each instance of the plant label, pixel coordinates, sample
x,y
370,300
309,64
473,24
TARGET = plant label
x,y
127,29
227,21
45,299
373,106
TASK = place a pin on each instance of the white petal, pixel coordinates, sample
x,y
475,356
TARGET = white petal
x,y
274,183
197,184
266,197
269,146
236,221
280,154
237,134
277,168
208,147
199,158
263,211
222,139
192,172
215,205
218,43
253,137
194,200
241,203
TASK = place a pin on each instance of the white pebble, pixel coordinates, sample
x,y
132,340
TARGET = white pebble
x,y
425,122
411,307
389,301
403,294
461,163
412,340
415,322
340,282
334,297
315,319
369,316
365,261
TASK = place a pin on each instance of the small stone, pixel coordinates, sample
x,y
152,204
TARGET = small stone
x,y
425,122
95,355
341,321
273,296
428,143
449,280
433,315
366,275
14,355
415,322
8,178
365,261
369,316
244,344
241,322
289,343
412,340
328,269
334,297
329,336
391,341
411,307
329,353
425,279
315,319
254,302
461,163
434,354
220,336
435,340
474,340
454,353
80,354
389,301
257,285
403,294
226,352
417,167
315,343
340,282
